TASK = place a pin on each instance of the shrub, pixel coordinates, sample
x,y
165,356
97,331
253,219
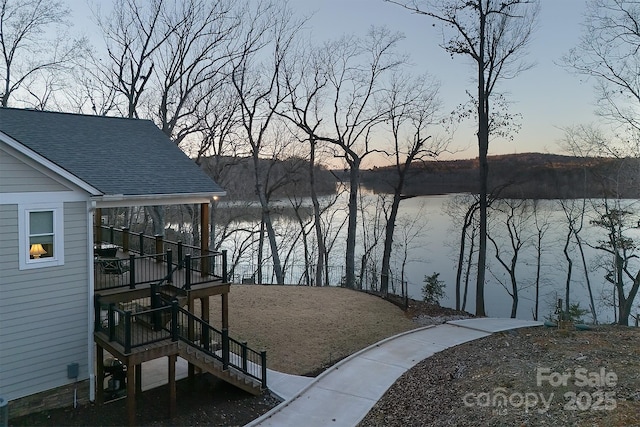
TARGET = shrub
x,y
433,289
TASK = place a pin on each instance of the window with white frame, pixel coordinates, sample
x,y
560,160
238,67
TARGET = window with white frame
x,y
41,237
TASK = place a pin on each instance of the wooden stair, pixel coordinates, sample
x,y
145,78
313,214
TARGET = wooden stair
x,y
168,293
215,367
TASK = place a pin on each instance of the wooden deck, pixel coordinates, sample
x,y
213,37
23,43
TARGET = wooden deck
x,y
146,271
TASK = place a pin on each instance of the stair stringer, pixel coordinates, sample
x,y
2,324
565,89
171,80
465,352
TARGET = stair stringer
x,y
215,367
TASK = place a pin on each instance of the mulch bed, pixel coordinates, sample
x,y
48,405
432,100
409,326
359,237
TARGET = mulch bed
x,y
206,402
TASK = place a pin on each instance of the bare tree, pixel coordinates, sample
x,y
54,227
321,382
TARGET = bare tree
x,y
454,208
618,221
348,93
542,224
192,64
411,228
494,34
592,141
517,215
133,33
372,212
257,85
608,52
412,110
304,78
30,56
572,214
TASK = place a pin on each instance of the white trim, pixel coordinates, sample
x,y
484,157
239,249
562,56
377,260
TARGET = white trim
x,y
25,263
114,201
16,145
42,197
91,345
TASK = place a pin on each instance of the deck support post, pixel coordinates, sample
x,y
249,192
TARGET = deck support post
x,y
99,375
138,379
225,310
172,385
204,305
131,394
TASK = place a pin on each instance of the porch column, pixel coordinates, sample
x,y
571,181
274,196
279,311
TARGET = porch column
x,y
138,379
204,237
99,375
97,222
172,385
204,306
131,394
225,310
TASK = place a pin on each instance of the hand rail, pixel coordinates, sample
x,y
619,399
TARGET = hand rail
x,y
171,322
142,269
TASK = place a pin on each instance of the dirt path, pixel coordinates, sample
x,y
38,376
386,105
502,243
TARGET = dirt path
x,y
305,328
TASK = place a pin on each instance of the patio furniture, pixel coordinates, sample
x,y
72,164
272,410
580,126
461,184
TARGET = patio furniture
x,y
105,250
113,265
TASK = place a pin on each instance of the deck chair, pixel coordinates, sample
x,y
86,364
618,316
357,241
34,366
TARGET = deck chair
x,y
114,265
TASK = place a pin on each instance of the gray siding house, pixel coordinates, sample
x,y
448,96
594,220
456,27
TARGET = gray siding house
x,y
56,171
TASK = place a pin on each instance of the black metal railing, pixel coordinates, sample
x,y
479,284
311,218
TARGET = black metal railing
x,y
138,326
182,272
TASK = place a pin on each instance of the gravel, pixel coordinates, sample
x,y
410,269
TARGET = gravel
x,y
462,386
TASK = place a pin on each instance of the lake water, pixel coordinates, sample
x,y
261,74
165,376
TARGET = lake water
x,y
435,249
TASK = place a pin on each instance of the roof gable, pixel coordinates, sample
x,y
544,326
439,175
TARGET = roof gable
x,y
116,156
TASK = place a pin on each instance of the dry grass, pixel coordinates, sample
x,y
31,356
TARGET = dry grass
x,y
305,328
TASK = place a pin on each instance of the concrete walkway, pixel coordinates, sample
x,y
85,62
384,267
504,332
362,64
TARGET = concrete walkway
x,y
346,392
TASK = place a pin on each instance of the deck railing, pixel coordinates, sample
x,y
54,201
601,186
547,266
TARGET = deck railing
x,y
185,265
133,329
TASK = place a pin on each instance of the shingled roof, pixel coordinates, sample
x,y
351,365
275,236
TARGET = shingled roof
x,y
116,156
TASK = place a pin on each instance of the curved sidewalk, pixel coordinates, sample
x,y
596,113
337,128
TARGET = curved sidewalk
x,y
346,392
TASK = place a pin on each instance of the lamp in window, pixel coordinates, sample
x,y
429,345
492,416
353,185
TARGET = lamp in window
x,y
36,250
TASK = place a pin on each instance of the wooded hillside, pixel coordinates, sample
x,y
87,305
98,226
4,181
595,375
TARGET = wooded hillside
x,y
529,175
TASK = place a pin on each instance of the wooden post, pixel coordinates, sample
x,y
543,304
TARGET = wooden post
x,y
204,305
204,238
138,379
159,248
172,385
225,310
125,239
99,375
97,222
131,395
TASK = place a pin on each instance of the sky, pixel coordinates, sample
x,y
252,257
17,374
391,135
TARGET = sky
x,y
547,96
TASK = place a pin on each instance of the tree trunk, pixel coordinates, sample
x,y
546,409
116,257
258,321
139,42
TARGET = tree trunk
x,y
626,304
260,251
483,148
538,265
514,288
467,273
569,268
468,217
388,240
266,221
317,220
273,244
592,305
482,244
354,181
